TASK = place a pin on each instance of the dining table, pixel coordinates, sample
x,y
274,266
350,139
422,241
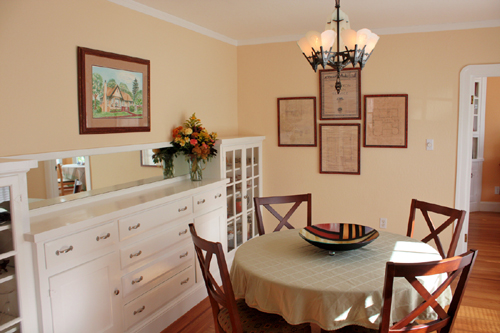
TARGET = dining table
x,y
282,273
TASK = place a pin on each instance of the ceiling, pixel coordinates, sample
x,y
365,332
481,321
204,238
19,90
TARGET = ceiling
x,y
259,21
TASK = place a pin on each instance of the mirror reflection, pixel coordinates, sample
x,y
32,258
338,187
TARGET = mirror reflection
x,y
75,177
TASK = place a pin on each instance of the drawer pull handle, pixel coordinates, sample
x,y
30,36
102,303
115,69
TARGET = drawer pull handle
x,y
98,238
183,232
218,196
139,279
140,310
138,253
185,281
117,291
58,252
132,227
201,202
184,255
183,209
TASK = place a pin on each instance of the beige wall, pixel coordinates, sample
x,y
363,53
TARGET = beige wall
x,y
491,164
38,41
425,66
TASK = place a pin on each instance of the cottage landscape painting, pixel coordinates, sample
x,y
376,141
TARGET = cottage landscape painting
x,y
113,92
116,93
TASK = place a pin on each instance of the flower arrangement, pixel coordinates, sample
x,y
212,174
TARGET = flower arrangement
x,y
192,140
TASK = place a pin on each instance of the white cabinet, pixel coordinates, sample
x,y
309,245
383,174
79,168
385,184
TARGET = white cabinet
x,y
125,263
240,161
87,298
15,297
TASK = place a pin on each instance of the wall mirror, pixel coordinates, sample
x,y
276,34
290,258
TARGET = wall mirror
x,y
95,171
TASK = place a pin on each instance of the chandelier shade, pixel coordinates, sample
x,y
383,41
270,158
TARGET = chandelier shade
x,y
353,47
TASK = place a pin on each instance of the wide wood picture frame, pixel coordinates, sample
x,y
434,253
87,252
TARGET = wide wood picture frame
x,y
347,104
385,122
297,122
113,93
340,148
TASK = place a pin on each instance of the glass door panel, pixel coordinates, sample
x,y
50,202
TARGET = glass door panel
x,y
250,225
230,235
9,307
239,231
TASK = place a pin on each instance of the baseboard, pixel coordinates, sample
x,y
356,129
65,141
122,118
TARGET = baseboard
x,y
485,206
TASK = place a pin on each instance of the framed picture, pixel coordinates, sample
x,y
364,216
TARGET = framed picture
x,y
339,148
297,122
386,121
113,93
346,104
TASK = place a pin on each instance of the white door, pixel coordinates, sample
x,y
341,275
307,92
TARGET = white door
x,y
87,298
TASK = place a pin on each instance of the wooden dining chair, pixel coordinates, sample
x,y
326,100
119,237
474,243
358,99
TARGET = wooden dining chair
x,y
297,200
459,266
65,185
231,315
452,214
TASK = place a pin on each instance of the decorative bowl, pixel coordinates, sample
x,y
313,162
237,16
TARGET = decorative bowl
x,y
339,236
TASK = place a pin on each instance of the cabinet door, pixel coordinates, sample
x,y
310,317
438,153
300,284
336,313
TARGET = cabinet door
x,y
85,299
9,306
234,170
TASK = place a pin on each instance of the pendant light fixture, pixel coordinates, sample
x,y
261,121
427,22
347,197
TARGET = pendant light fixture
x,y
318,48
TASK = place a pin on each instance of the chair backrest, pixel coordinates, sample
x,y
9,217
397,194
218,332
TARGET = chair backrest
x,y
219,295
455,267
283,221
77,188
453,215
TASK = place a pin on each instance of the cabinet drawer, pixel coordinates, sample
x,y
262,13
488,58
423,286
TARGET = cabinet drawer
x,y
165,267
143,249
211,199
136,224
145,305
71,247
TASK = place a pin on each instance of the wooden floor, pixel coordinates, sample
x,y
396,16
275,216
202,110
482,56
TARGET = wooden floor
x,y
480,309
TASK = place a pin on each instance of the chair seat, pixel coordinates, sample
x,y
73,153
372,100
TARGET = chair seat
x,y
254,320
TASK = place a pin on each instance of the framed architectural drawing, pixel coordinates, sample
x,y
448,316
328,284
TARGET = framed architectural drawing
x,y
340,148
297,122
347,104
386,121
113,93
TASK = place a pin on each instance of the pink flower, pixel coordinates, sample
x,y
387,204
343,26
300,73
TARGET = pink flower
x,y
193,142
204,145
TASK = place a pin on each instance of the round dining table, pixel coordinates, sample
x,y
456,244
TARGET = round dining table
x,y
281,273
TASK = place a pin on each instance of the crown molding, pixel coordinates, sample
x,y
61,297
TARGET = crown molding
x,y
131,4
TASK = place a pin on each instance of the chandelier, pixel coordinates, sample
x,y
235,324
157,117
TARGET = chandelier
x,y
317,48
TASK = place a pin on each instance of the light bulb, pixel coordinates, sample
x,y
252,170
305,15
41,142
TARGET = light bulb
x,y
327,39
362,37
372,41
314,39
349,38
304,45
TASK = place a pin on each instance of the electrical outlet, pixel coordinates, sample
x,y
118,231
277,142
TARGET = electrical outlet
x,y
383,223
497,189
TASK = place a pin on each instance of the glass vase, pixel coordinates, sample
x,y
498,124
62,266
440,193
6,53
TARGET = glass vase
x,y
168,166
196,167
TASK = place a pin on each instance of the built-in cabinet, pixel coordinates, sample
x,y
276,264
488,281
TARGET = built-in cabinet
x,y
125,263
478,118
240,161
14,301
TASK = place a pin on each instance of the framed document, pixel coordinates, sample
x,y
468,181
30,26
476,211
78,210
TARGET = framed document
x,y
339,148
347,104
386,121
297,122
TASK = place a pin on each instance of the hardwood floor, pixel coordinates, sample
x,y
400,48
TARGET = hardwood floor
x,y
480,309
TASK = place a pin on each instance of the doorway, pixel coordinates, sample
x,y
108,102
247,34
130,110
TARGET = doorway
x,y
468,77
